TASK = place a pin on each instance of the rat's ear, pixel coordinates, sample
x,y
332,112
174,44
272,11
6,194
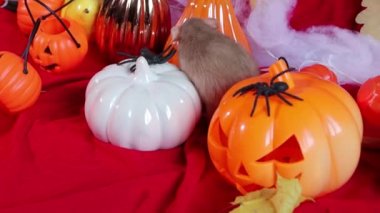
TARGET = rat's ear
x,y
211,22
175,33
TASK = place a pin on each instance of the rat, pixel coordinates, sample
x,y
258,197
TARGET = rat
x,y
211,60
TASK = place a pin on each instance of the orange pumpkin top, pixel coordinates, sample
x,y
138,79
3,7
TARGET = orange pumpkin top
x,y
222,11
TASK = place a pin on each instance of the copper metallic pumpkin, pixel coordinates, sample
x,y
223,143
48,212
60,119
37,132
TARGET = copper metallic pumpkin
x,y
18,90
316,139
24,20
129,25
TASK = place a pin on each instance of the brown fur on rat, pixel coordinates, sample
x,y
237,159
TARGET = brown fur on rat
x,y
211,60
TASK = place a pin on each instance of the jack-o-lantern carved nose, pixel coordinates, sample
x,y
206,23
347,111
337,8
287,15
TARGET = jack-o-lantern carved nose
x,y
288,152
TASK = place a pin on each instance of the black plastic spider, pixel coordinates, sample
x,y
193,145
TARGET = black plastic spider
x,y
150,56
267,90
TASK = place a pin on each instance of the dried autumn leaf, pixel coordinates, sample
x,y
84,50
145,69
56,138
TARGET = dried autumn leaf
x,y
283,199
370,18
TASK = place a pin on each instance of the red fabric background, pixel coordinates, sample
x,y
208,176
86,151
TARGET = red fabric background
x,y
50,161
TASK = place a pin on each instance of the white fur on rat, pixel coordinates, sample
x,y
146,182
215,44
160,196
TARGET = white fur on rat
x,y
211,60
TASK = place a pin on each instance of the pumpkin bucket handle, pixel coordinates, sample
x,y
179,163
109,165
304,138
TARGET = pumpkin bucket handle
x,y
30,40
47,15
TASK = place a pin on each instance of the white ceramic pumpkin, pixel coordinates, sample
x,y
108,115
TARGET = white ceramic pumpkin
x,y
154,107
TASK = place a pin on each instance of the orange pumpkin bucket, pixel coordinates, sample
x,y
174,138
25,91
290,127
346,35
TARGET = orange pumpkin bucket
x,y
59,44
28,11
286,123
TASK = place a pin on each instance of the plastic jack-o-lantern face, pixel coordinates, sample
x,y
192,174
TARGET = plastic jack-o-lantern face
x,y
30,10
153,107
18,90
286,123
57,49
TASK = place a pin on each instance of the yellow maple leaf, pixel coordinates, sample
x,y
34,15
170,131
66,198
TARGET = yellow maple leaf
x,y
283,199
370,18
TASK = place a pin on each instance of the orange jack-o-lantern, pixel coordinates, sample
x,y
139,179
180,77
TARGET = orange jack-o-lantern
x,y
287,123
56,44
28,11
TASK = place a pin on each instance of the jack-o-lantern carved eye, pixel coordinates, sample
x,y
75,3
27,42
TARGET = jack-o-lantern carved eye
x,y
288,152
48,51
242,170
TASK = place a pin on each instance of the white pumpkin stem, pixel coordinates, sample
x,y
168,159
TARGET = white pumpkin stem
x,y
143,74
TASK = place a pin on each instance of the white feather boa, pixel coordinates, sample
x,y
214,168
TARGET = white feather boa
x,y
352,56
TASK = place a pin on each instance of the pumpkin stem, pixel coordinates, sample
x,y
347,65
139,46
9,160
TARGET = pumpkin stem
x,y
52,12
30,40
143,73
278,71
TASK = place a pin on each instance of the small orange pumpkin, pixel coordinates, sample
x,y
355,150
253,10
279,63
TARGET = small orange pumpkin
x,y
18,90
313,132
320,71
28,11
222,11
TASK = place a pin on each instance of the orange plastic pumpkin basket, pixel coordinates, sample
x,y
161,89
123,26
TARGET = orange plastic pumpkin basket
x,y
56,44
28,11
316,139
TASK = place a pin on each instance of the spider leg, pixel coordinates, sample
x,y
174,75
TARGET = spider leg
x,y
254,105
168,56
279,74
147,53
170,47
293,96
283,99
126,54
268,106
244,90
132,68
127,61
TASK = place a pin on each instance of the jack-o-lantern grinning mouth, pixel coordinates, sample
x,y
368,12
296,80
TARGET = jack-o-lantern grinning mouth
x,y
50,67
288,152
